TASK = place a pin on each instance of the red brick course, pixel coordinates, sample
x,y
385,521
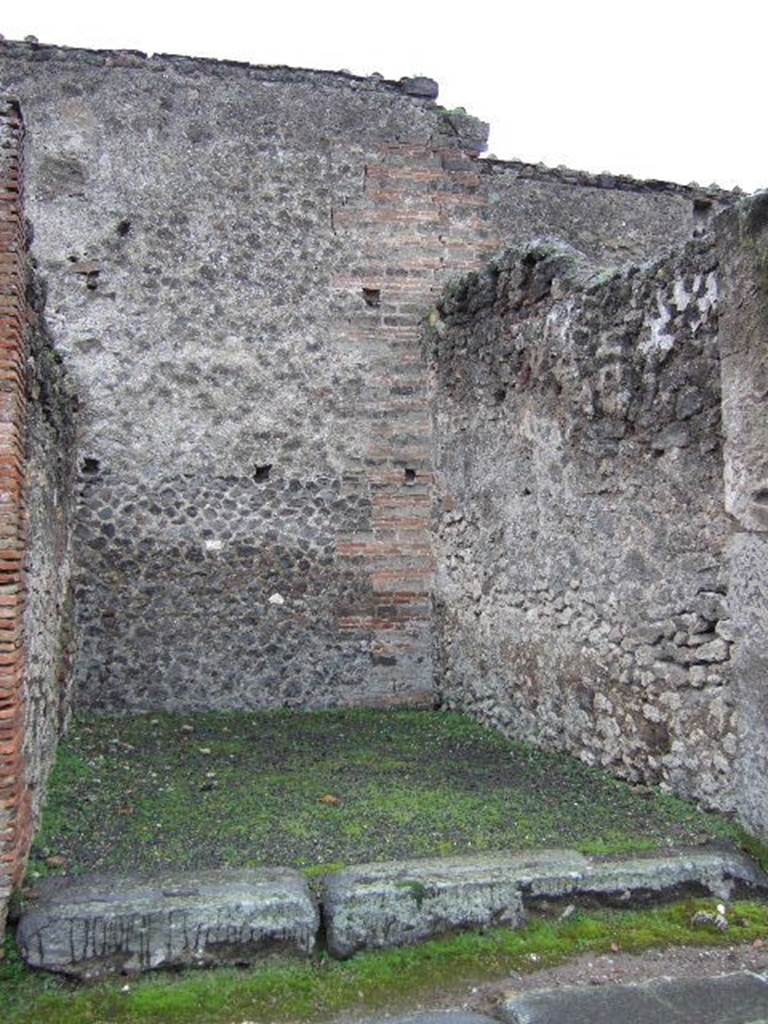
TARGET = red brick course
x,y
420,222
15,804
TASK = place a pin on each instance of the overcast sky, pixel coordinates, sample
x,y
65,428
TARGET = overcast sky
x,y
673,89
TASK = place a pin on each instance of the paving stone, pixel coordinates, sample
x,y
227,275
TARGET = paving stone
x,y
740,998
89,927
441,1017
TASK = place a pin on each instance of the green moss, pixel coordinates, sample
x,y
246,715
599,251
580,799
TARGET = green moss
x,y
247,789
397,979
416,891
321,870
756,849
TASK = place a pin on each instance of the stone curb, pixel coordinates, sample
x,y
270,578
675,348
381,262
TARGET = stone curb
x,y
92,926
377,906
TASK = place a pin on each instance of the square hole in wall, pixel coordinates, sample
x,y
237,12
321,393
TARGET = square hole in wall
x,y
261,473
372,297
409,475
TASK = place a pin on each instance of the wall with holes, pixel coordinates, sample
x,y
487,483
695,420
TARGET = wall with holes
x,y
236,261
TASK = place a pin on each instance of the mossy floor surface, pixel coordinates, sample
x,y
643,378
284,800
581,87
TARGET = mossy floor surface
x,y
313,789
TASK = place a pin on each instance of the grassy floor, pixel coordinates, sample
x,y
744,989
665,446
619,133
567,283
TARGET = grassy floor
x,y
318,990
248,789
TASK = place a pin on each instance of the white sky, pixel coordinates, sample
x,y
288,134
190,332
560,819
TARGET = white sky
x,y
673,89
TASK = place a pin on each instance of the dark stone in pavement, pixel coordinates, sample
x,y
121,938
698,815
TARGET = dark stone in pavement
x,y
444,1017
729,999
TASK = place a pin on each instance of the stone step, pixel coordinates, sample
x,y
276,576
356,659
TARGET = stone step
x,y
375,906
89,927
740,998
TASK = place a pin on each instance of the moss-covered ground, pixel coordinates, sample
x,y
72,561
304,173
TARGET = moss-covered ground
x,y
317,790
332,787
397,979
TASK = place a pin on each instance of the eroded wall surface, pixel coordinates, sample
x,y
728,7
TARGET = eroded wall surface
x,y
49,616
237,260
611,218
581,596
743,253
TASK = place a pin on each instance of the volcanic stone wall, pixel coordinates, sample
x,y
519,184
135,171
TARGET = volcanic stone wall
x,y
237,260
742,244
582,587
609,217
49,619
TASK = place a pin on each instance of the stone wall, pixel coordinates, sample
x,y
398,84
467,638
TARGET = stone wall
x,y
49,618
237,260
581,598
742,242
36,446
609,217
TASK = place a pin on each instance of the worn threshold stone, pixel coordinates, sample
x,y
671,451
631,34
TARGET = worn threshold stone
x,y
721,872
740,998
89,927
93,926
375,906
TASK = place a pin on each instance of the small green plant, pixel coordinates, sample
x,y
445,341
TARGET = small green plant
x,y
416,891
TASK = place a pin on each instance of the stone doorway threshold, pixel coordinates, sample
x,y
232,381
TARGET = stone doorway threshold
x,y
94,926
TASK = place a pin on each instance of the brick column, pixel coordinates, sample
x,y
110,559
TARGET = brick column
x,y
15,817
420,221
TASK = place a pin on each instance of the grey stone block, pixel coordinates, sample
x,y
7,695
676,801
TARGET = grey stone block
x,y
419,85
730,999
438,1017
89,927
720,872
374,906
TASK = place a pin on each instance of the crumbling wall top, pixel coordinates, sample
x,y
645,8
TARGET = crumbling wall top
x,y
417,86
707,195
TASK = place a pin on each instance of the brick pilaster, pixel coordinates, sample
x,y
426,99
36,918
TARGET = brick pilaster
x,y
15,816
420,222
